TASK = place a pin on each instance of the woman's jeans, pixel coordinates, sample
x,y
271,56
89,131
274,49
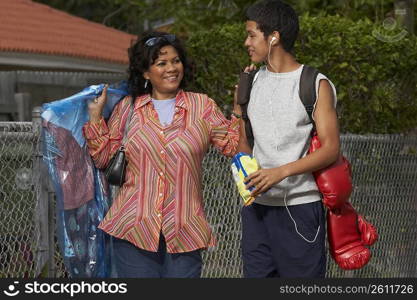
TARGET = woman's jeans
x,y
132,262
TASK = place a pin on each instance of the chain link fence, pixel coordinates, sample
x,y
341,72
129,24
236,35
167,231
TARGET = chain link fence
x,y
18,235
385,192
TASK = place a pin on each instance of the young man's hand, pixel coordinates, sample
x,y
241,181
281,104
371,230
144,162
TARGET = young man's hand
x,y
263,179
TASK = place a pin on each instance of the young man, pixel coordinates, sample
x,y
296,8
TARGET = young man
x,y
284,229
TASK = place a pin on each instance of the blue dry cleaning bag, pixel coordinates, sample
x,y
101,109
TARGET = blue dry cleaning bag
x,y
82,194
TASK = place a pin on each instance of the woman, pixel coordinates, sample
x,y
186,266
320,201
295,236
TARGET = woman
x,y
157,218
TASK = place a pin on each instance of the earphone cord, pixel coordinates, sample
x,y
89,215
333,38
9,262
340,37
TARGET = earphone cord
x,y
295,224
269,58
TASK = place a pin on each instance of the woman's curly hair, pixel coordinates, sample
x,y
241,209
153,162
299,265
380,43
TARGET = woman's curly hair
x,y
142,56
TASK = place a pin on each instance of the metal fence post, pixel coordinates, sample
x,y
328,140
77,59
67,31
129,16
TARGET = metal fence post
x,y
23,102
44,216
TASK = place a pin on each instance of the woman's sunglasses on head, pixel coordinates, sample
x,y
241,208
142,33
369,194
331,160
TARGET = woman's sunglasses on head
x,y
154,40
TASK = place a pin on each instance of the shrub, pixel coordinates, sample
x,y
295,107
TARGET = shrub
x,y
219,56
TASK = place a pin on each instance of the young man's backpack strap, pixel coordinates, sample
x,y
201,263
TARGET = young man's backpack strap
x,y
307,90
243,97
245,86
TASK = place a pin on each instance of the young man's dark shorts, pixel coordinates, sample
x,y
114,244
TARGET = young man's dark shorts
x,y
271,247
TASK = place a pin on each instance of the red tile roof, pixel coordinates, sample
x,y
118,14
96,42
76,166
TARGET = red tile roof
x,y
27,26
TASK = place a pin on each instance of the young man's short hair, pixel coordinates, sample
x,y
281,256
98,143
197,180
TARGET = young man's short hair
x,y
275,15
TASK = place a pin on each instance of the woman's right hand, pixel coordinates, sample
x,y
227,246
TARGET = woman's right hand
x,y
95,107
250,68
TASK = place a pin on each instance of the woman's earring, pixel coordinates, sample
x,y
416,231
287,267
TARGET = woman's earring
x,y
146,83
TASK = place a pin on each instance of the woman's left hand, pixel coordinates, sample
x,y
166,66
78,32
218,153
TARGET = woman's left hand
x,y
263,179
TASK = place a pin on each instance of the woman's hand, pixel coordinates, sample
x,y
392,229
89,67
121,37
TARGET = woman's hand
x,y
95,107
263,179
250,68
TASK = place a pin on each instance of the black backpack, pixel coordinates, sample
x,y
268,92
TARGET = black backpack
x,y
307,94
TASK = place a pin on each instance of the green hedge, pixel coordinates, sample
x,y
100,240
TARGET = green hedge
x,y
218,56
376,81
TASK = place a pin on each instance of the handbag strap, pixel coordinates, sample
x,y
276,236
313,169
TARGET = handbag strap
x,y
127,125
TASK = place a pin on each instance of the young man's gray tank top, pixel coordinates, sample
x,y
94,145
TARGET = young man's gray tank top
x,y
282,128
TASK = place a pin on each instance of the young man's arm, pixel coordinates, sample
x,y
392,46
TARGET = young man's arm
x,y
328,133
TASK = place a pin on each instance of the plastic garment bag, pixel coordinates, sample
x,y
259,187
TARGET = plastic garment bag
x,y
82,194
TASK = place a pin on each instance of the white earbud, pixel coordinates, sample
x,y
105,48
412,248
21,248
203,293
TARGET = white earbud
x,y
273,39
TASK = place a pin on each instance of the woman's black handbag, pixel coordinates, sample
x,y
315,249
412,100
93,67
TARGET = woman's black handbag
x,y
116,169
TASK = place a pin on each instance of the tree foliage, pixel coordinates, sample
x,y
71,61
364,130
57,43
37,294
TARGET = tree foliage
x,y
119,14
193,15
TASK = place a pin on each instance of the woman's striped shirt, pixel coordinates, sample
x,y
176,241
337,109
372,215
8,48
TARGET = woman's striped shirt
x,y
162,192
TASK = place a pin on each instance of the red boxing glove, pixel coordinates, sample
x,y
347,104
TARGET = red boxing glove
x,y
345,240
335,181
